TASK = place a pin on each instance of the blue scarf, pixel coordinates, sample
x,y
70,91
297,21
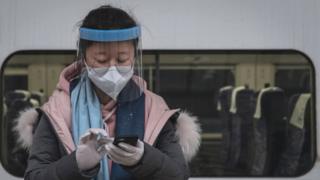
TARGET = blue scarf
x,y
129,122
86,113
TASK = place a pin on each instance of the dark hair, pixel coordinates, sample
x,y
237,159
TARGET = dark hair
x,y
104,17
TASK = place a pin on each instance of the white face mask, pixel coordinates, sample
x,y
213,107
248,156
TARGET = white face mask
x,y
111,80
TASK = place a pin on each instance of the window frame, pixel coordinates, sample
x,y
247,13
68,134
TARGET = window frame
x,y
157,85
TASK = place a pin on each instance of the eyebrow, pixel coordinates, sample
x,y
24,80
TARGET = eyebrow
x,y
123,52
99,53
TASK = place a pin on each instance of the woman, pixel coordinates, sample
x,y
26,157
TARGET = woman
x,y
103,95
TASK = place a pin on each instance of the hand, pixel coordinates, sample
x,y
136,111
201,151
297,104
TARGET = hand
x,y
125,154
88,153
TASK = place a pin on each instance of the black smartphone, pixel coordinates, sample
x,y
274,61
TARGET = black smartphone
x,y
132,140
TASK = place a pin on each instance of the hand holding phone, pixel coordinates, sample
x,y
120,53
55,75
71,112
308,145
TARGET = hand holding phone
x,y
124,153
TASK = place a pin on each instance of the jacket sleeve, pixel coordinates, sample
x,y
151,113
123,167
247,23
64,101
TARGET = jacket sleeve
x,y
46,160
164,161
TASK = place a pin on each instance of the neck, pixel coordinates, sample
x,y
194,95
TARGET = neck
x,y
103,98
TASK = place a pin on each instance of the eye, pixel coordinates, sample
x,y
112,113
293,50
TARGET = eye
x,y
100,58
123,58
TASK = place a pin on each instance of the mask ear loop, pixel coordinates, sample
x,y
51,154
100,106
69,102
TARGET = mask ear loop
x,y
87,67
84,62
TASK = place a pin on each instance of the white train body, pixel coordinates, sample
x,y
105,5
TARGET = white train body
x,y
174,25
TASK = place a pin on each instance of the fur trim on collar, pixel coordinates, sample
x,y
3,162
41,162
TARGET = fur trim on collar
x,y
189,132
24,125
187,129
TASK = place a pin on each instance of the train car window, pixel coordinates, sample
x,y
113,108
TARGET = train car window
x,y
27,78
248,104
256,108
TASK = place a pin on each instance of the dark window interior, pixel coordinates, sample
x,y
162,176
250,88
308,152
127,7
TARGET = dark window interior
x,y
239,144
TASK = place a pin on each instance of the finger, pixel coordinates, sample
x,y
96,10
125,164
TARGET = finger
x,y
127,147
114,159
104,140
120,152
113,156
85,135
101,150
93,134
98,131
84,138
140,144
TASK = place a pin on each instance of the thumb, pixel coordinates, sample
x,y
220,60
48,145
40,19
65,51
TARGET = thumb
x,y
140,144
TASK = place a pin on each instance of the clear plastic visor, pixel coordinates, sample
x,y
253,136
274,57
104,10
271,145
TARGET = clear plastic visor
x,y
114,65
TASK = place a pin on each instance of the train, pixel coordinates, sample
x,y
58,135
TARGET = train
x,y
247,69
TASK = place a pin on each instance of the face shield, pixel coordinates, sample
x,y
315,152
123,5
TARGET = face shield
x,y
113,61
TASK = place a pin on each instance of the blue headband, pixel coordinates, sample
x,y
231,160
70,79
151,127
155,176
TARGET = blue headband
x,y
110,35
